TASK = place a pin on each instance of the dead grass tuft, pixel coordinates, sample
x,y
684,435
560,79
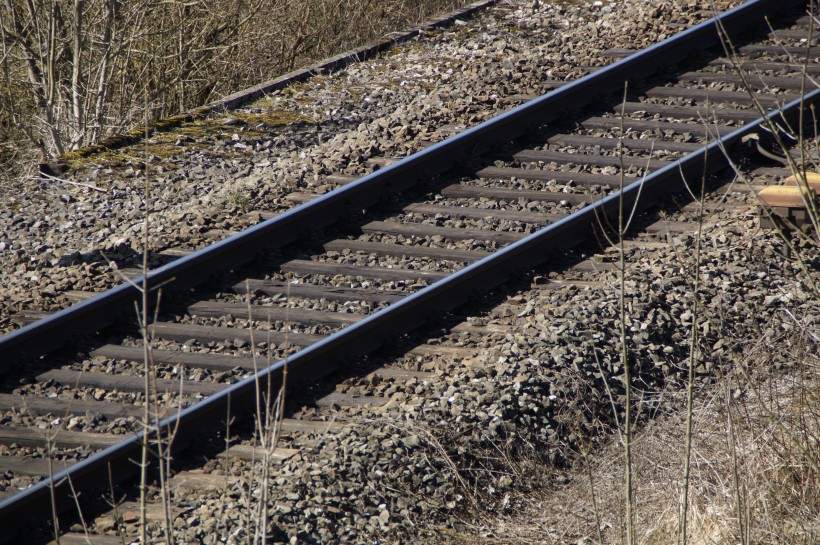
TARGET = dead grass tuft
x,y
765,432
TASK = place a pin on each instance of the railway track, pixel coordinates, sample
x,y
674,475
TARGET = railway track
x,y
347,273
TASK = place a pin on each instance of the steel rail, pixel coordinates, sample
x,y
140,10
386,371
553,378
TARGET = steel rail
x,y
403,316
44,335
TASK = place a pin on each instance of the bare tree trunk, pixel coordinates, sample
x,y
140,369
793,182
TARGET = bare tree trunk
x,y
103,80
77,94
71,69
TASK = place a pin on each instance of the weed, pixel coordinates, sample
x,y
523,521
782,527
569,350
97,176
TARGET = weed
x,y
238,199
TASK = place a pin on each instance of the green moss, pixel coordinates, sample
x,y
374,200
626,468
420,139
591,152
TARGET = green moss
x,y
99,156
130,148
76,156
271,118
162,151
156,154
198,129
264,102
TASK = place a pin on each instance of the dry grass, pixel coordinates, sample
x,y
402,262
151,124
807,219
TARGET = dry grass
x,y
179,55
755,476
754,466
755,449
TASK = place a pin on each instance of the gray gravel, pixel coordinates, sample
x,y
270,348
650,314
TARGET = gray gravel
x,y
460,442
56,236
457,444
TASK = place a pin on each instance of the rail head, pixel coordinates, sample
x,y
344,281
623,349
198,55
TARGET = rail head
x,y
49,333
401,317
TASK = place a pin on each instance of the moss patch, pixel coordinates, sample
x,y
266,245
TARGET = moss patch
x,y
130,148
273,118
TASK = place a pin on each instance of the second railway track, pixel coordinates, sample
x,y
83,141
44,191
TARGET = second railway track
x,y
380,256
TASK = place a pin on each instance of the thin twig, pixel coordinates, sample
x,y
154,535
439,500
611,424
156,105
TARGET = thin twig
x,y
69,182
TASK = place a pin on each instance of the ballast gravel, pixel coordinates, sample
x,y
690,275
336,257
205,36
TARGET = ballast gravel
x,y
458,443
59,237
